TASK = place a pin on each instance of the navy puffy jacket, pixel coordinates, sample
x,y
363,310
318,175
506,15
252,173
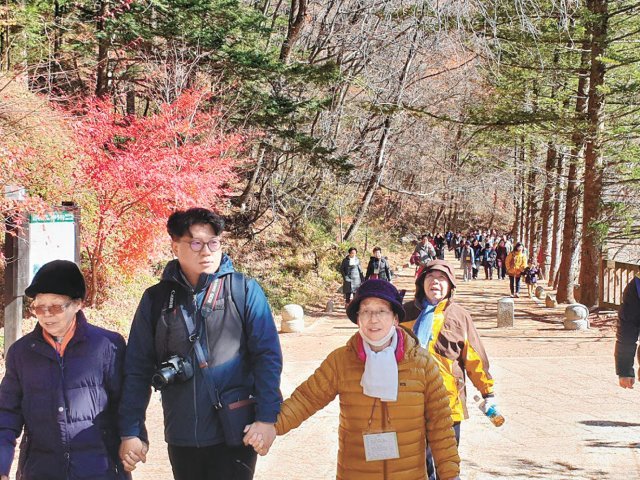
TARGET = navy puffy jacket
x,y
67,406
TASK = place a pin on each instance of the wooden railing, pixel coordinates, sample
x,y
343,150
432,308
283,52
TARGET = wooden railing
x,y
614,277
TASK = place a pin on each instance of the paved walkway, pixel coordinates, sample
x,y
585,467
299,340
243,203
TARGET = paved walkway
x,y
566,416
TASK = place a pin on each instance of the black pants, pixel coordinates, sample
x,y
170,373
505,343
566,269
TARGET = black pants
x,y
431,468
488,272
514,284
218,462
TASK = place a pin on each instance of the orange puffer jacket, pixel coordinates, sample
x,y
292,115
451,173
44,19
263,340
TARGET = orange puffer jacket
x,y
420,415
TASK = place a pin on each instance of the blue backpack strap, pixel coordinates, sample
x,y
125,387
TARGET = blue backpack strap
x,y
238,293
637,280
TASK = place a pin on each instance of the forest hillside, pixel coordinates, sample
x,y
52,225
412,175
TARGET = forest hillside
x,y
315,125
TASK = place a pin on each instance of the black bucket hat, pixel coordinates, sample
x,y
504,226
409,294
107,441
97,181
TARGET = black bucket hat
x,y
61,277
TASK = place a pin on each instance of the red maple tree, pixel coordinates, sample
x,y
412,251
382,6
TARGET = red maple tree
x,y
136,170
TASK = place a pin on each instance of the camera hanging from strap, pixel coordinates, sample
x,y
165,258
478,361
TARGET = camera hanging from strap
x,y
195,331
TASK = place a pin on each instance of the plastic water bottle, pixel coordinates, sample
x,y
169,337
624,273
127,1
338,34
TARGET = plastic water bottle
x,y
492,413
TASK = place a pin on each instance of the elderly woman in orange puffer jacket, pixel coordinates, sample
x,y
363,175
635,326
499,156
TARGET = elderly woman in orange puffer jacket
x,y
393,403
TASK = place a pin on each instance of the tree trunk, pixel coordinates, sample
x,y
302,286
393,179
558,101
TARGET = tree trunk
x,y
558,213
451,212
374,181
131,99
57,29
523,203
297,18
438,217
5,44
570,235
493,210
545,213
248,189
532,210
516,193
592,224
381,157
102,79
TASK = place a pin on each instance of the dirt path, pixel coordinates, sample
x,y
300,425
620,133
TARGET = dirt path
x,y
566,416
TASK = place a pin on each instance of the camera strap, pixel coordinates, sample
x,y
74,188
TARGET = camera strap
x,y
195,334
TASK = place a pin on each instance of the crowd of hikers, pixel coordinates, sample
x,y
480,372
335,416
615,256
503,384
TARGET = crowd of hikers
x,y
205,338
486,250
478,250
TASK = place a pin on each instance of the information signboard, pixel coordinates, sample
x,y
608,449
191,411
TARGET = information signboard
x,y
51,237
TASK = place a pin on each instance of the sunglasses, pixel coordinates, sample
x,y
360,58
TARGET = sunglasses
x,y
51,309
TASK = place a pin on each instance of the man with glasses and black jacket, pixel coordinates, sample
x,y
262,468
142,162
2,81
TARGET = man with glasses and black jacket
x,y
205,337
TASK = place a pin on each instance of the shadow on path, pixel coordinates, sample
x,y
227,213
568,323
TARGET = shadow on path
x,y
522,468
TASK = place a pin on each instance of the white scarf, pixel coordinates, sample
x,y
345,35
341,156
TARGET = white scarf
x,y
380,377
353,261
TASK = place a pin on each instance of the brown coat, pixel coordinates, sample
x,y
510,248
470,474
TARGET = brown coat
x,y
457,348
420,415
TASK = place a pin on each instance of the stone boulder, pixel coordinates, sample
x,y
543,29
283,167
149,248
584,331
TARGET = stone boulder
x,y
505,312
576,317
292,318
539,292
550,301
329,308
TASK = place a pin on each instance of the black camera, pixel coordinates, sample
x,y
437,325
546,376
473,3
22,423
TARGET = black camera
x,y
174,370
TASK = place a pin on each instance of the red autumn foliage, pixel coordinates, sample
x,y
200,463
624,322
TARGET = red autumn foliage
x,y
138,170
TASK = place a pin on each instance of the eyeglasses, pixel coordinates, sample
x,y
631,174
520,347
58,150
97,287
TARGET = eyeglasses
x,y
51,309
197,245
379,315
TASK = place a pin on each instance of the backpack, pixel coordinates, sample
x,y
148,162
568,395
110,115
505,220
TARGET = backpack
x,y
163,294
488,259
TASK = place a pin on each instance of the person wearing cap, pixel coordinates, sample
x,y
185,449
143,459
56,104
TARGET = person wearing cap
x,y
447,331
391,394
62,386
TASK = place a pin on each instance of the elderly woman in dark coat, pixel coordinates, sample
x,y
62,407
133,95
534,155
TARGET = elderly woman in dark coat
x,y
352,275
62,385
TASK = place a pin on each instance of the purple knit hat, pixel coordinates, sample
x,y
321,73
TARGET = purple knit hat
x,y
378,289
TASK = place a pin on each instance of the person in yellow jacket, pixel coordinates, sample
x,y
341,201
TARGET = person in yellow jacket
x,y
392,400
447,331
516,263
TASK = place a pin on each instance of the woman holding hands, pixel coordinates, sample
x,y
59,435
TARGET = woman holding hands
x,y
393,403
